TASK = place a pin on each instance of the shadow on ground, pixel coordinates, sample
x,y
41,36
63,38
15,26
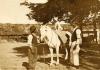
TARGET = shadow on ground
x,y
89,59
26,65
21,51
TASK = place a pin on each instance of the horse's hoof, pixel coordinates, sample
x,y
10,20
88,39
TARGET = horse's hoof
x,y
51,64
57,63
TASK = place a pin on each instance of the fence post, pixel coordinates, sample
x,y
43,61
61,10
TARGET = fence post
x,y
98,36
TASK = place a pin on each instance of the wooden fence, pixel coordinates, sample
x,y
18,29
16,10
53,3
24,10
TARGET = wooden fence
x,y
16,37
89,36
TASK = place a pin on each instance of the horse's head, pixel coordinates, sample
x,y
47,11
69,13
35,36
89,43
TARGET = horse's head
x,y
44,30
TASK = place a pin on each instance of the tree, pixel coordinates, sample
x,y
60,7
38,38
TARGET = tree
x,y
57,8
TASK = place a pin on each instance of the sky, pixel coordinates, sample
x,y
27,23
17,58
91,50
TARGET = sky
x,y
12,12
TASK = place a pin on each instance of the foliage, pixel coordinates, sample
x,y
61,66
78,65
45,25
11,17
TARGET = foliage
x,y
57,8
13,29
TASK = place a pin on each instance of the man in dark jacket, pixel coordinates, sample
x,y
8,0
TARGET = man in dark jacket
x,y
75,46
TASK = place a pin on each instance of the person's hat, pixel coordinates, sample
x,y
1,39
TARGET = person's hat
x,y
32,29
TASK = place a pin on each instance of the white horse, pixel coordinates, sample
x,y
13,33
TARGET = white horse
x,y
52,39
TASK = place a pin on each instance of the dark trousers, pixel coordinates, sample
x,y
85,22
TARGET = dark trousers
x,y
68,49
32,57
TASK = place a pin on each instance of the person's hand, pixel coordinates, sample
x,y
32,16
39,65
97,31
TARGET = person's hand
x,y
30,48
78,42
37,37
26,44
74,48
70,43
29,45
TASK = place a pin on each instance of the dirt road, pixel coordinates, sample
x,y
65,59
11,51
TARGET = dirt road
x,y
8,57
13,56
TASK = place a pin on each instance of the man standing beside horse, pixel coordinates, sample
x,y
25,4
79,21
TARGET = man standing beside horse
x,y
75,46
32,51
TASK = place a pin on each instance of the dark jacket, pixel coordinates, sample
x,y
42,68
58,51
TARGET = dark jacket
x,y
74,36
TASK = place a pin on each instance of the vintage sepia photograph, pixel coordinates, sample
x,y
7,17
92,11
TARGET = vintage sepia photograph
x,y
49,34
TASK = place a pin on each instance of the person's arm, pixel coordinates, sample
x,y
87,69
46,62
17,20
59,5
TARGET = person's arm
x,y
78,34
70,41
29,41
38,38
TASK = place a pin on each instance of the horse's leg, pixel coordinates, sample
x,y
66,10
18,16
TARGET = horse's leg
x,y
57,52
66,56
51,53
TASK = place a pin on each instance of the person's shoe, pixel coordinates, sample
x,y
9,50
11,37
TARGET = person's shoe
x,y
77,67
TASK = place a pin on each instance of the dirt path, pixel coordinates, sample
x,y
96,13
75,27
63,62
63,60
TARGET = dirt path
x,y
8,58
12,57
14,54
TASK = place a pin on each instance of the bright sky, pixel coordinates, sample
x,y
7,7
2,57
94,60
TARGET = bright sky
x,y
12,12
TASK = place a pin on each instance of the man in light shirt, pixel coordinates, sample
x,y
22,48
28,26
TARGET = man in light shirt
x,y
75,46
32,51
